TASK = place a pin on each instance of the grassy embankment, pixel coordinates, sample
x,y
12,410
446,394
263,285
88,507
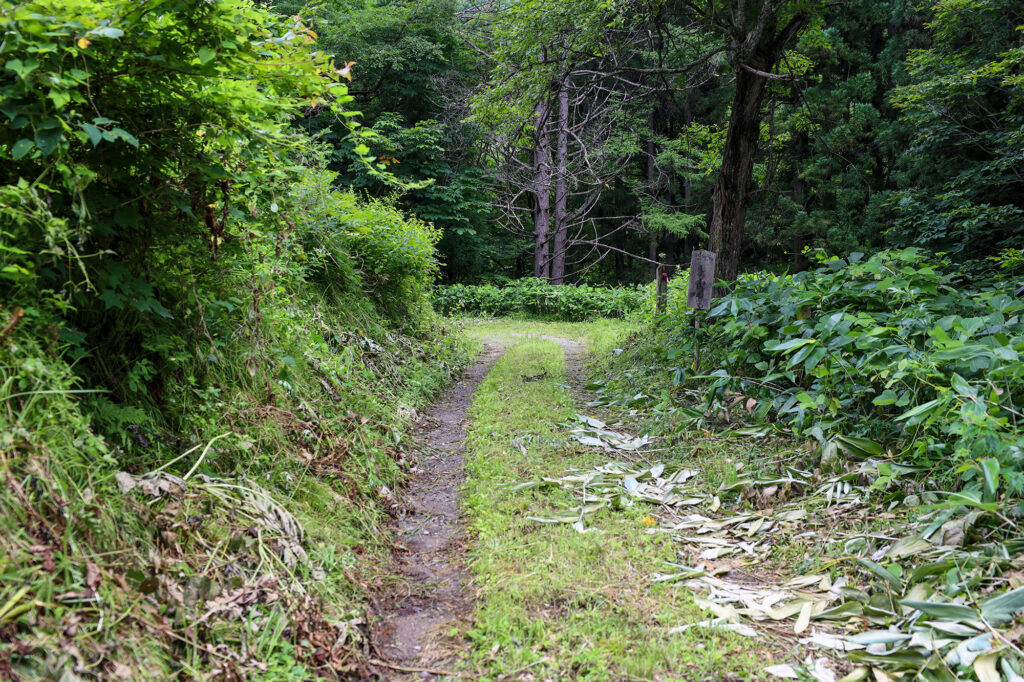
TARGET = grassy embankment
x,y
250,551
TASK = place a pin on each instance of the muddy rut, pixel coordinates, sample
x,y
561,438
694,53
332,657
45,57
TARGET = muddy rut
x,y
434,595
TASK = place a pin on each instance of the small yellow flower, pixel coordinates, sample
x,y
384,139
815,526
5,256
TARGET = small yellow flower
x,y
84,43
200,133
649,521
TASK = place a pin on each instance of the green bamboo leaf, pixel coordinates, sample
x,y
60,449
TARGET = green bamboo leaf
x,y
862,448
775,347
922,410
965,498
841,612
881,572
990,472
904,657
933,568
942,610
1004,607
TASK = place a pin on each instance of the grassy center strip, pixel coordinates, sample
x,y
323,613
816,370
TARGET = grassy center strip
x,y
553,602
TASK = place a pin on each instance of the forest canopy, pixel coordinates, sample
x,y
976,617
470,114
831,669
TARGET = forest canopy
x,y
586,141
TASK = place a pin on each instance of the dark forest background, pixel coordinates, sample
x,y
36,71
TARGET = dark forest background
x,y
584,141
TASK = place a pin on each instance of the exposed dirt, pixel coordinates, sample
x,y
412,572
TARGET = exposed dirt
x,y
411,631
434,597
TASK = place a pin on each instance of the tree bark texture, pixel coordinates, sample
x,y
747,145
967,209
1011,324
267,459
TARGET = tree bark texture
x,y
753,59
800,239
729,198
542,196
652,238
561,185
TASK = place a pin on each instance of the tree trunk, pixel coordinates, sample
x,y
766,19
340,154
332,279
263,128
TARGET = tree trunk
x,y
800,239
729,199
687,182
542,196
753,60
652,239
561,185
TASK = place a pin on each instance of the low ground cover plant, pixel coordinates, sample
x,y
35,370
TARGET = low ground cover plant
x,y
892,384
897,348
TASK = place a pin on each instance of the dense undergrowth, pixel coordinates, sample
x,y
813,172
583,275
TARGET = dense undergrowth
x,y
208,355
869,570
893,386
535,298
897,348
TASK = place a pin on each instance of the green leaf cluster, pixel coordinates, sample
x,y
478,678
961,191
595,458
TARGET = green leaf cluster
x,y
895,348
536,298
179,275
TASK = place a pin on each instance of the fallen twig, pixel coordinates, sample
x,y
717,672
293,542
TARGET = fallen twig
x,y
13,322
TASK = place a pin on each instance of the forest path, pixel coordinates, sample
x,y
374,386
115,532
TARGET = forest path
x,y
435,594
431,535
552,597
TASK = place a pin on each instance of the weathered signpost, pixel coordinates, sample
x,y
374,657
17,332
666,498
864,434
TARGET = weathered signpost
x,y
698,295
702,280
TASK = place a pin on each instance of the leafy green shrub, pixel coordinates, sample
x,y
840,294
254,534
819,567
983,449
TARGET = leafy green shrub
x,y
394,252
531,297
894,347
390,245
183,295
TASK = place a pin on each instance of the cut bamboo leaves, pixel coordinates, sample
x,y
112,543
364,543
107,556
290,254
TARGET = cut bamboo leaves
x,y
914,602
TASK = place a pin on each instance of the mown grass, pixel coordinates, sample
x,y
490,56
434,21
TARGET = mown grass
x,y
554,603
600,336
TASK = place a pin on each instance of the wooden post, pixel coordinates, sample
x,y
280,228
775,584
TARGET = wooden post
x,y
698,296
702,279
663,273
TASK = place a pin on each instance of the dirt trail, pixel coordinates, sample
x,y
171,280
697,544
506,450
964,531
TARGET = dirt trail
x,y
431,531
434,597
